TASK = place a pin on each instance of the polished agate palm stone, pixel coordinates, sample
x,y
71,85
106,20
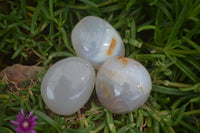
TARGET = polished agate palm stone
x,y
122,85
67,85
96,40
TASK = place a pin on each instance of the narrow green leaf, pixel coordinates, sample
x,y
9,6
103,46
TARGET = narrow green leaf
x,y
66,42
46,118
99,128
175,54
125,128
147,27
193,112
193,44
110,123
150,56
195,11
10,17
182,99
106,129
35,14
129,4
14,25
156,126
45,12
165,10
180,115
111,8
18,51
170,91
57,54
193,62
139,118
51,8
195,99
177,24
186,70
133,29
23,7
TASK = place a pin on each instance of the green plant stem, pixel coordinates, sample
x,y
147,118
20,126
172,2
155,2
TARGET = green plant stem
x,y
188,52
154,47
173,84
193,112
177,51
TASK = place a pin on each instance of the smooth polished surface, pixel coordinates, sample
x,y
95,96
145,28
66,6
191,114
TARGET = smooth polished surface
x,y
96,40
123,85
67,85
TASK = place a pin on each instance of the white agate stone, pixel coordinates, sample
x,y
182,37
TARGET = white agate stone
x,y
67,85
96,40
123,85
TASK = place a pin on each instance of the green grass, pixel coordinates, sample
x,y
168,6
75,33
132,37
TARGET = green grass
x,y
163,35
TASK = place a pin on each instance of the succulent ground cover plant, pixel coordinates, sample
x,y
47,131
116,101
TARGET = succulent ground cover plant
x,y
162,35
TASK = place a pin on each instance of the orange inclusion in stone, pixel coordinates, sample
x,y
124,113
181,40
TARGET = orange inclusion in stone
x,y
124,60
112,46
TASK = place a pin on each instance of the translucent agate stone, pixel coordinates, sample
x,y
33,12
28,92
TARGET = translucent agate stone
x,y
123,85
67,85
96,40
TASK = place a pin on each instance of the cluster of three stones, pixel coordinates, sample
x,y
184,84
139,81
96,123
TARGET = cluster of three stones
x,y
122,84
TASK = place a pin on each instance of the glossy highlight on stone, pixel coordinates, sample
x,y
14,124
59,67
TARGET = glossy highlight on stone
x,y
96,40
123,85
67,85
